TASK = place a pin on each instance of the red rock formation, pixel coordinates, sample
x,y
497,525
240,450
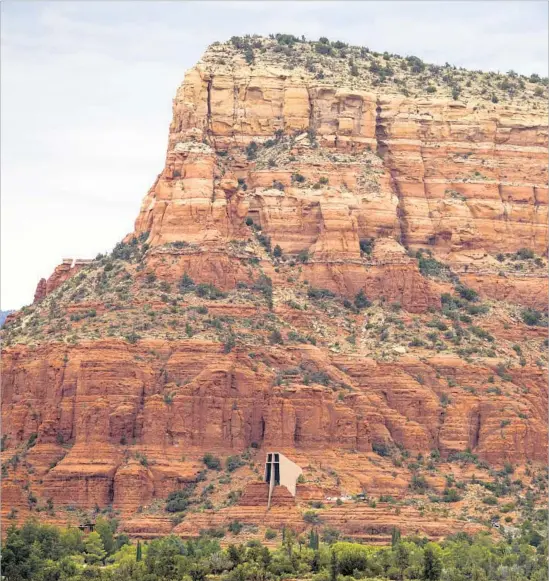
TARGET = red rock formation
x,y
449,176
122,388
67,269
106,405
40,291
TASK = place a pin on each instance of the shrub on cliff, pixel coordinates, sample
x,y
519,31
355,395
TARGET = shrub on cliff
x,y
381,449
361,300
123,251
311,517
416,64
450,495
297,177
467,293
324,49
275,338
319,377
265,241
232,463
239,42
212,462
430,267
287,39
319,293
531,317
478,309
481,333
525,254
265,285
209,291
186,283
143,460
32,440
366,245
229,344
178,501
418,483
303,256
235,527
251,151
249,55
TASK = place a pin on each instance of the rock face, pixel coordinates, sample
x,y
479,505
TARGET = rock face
x,y
271,298
449,174
67,269
454,176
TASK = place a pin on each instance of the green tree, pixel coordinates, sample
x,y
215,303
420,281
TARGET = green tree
x,y
315,562
313,540
94,549
351,557
264,561
197,572
288,540
395,536
72,540
402,558
333,566
164,557
138,552
236,553
432,565
104,528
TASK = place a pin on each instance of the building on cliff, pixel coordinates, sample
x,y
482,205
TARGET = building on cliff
x,y
281,471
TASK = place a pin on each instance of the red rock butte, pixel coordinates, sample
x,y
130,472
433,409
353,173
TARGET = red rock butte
x,y
341,265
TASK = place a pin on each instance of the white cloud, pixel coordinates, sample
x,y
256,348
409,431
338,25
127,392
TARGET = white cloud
x,y
87,90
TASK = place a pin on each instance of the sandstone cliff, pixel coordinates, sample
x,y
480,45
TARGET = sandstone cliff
x,y
342,264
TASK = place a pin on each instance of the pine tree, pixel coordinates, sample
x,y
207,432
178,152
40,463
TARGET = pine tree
x,y
313,540
138,552
333,567
395,536
95,552
103,527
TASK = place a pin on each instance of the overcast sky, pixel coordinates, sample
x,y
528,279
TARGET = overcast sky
x,y
86,92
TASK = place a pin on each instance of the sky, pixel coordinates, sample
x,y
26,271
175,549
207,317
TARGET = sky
x,y
86,93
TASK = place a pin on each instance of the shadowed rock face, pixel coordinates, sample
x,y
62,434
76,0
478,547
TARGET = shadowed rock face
x,y
348,180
